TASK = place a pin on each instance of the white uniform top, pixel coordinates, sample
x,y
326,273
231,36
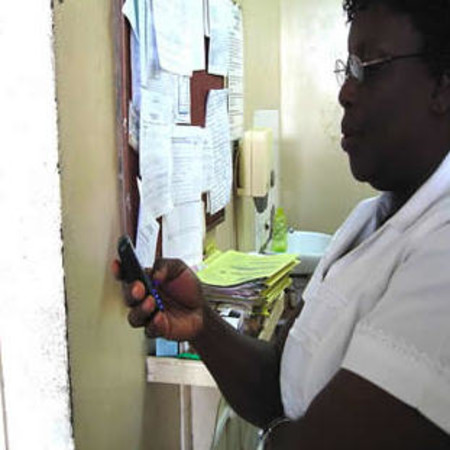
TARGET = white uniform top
x,y
382,310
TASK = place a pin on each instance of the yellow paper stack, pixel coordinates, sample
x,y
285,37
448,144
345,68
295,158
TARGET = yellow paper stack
x,y
246,280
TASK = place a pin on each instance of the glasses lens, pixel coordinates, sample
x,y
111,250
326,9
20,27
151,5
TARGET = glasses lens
x,y
356,69
340,70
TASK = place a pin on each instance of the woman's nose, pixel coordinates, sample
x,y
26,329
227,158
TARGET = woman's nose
x,y
348,92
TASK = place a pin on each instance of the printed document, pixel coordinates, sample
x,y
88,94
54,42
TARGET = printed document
x,y
220,28
207,163
147,44
183,232
131,12
159,97
147,237
217,125
187,145
194,20
183,100
155,163
174,44
236,75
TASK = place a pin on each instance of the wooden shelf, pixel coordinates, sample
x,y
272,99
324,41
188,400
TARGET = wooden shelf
x,y
195,373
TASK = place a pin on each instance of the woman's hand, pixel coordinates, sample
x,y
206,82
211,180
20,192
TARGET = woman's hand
x,y
180,291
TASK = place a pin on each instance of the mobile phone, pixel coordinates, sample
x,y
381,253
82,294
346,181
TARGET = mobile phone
x,y
133,271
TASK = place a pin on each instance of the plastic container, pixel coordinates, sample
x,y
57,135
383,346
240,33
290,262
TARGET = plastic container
x,y
279,236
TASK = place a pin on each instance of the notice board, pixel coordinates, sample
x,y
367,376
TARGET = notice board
x,y
200,83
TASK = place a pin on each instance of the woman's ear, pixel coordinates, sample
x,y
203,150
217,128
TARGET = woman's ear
x,y
441,95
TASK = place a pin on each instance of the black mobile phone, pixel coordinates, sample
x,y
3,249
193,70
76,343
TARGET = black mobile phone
x,y
132,269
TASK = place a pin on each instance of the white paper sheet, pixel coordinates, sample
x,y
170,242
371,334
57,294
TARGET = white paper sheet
x,y
195,18
160,98
147,238
173,42
207,163
135,71
183,232
220,27
206,18
155,163
217,124
130,10
187,150
149,59
183,100
236,76
133,127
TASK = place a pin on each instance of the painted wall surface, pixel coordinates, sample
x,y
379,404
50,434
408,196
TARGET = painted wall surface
x,y
317,188
290,49
262,64
262,56
106,356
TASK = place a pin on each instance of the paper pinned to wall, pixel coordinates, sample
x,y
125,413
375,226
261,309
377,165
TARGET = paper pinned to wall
x,y
217,124
206,26
155,163
174,45
148,52
195,18
220,14
207,163
133,127
183,232
236,75
158,99
131,10
187,149
146,236
183,100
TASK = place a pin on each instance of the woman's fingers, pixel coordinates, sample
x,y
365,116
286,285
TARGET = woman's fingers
x,y
116,270
142,313
166,270
157,327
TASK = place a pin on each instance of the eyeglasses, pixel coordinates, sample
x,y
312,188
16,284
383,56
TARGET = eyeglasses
x,y
355,68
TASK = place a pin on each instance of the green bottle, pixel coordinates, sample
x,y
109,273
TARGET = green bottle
x,y
279,234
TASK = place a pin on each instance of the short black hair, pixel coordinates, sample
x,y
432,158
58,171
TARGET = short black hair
x,y
430,17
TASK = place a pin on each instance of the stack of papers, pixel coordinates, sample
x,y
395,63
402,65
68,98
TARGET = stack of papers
x,y
236,281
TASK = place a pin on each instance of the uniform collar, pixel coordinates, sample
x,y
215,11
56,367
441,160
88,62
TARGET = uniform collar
x,y
436,187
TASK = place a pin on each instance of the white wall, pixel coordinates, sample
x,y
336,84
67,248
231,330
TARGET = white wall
x,y
32,310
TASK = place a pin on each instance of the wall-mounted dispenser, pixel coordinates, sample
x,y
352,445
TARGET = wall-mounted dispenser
x,y
255,163
256,182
